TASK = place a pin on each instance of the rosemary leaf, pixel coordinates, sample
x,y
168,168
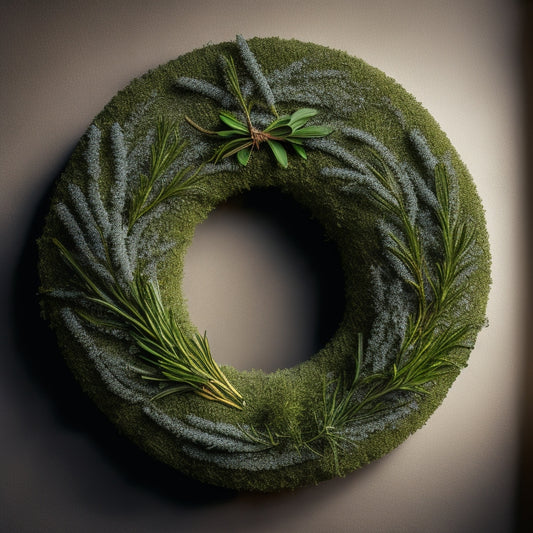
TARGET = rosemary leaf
x,y
164,152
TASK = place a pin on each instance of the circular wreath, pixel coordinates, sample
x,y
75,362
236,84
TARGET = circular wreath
x,y
370,164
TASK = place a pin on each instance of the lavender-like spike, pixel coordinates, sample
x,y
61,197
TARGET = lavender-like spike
x,y
224,98
120,153
426,155
329,146
257,75
365,182
92,154
118,232
453,188
362,430
87,256
424,193
136,235
268,460
409,196
114,373
81,208
92,157
210,435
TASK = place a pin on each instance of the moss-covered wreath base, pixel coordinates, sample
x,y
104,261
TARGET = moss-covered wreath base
x,y
370,164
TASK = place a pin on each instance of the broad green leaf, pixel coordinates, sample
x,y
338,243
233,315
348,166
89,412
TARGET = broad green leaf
x,y
305,112
281,121
281,131
232,148
230,145
301,116
294,140
312,131
243,156
279,152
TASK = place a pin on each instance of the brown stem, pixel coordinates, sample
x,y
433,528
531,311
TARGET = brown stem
x,y
259,136
199,128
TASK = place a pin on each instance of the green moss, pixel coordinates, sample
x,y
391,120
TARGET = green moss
x,y
290,394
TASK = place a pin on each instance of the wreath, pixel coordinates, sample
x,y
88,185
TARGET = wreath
x,y
372,167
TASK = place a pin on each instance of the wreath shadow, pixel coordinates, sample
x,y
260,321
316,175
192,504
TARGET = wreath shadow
x,y
39,355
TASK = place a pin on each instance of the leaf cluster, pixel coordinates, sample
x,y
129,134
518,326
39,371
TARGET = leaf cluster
x,y
242,137
288,129
184,362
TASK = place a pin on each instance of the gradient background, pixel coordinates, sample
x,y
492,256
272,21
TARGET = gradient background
x,y
63,468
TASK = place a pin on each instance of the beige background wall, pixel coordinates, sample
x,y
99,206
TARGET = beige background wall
x,y
62,467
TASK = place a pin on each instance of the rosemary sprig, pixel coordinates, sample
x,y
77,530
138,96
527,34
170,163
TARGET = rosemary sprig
x,y
177,359
424,354
457,238
245,137
429,340
185,362
164,152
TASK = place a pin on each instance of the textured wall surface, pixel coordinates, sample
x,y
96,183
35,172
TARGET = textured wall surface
x,y
63,466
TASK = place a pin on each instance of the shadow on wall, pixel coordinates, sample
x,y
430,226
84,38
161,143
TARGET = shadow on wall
x,y
525,473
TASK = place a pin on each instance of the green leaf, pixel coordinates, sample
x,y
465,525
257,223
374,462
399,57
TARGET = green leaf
x,y
279,153
243,156
229,133
294,140
281,121
301,116
231,148
312,131
299,150
233,122
280,131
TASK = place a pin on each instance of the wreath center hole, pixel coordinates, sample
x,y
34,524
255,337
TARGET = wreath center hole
x,y
264,282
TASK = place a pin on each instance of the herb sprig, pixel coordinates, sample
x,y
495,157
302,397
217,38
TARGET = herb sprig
x,y
183,362
164,152
244,137
176,358
424,354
